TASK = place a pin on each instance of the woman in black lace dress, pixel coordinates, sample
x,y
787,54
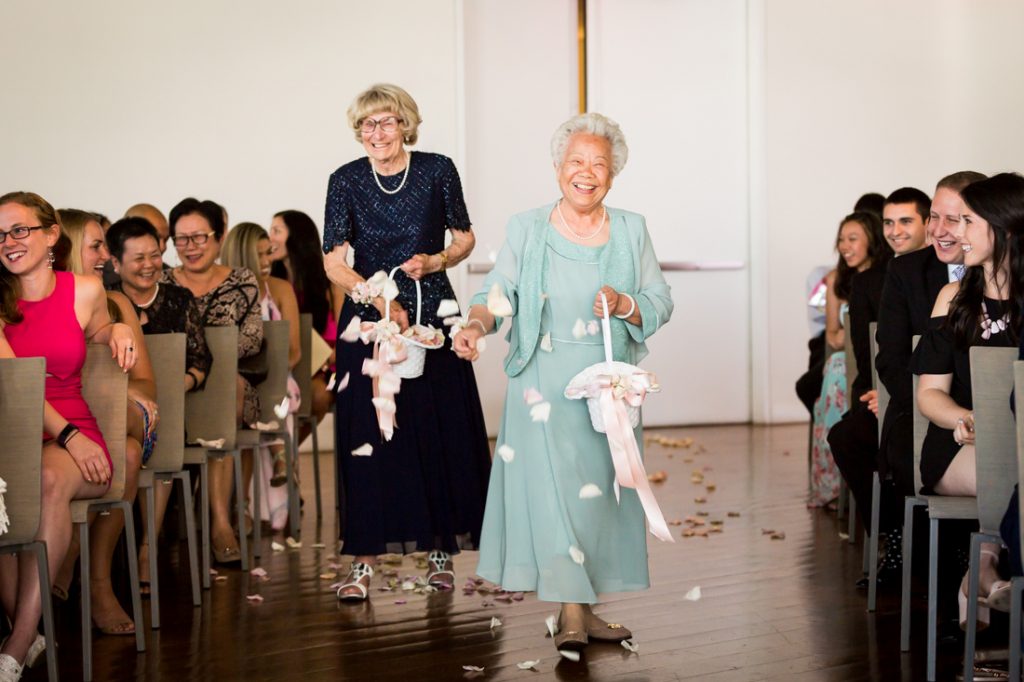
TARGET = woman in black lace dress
x,y
424,489
224,296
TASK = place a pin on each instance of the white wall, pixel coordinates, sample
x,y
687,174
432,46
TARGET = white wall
x,y
854,97
107,104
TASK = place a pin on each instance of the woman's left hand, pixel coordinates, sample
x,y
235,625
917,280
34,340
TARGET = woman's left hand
x,y
613,301
122,346
963,432
417,266
147,405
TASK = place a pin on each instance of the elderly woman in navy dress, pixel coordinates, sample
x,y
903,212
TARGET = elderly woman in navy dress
x,y
424,489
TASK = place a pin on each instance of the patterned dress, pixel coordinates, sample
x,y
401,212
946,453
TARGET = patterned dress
x,y
829,408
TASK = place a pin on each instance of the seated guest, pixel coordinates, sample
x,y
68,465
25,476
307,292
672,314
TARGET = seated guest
x,y
83,251
224,296
982,309
861,245
44,313
298,258
854,440
248,246
155,218
161,309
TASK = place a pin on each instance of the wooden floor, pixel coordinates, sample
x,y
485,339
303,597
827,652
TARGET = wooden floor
x,y
771,609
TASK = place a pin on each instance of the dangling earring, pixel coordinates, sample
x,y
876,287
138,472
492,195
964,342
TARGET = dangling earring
x,y
49,258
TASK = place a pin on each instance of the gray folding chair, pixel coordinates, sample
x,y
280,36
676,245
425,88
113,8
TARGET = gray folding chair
x,y
995,462
304,378
272,390
939,507
105,389
166,464
21,422
845,494
1017,582
210,416
871,539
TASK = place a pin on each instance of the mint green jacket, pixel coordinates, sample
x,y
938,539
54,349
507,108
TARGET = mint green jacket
x,y
628,264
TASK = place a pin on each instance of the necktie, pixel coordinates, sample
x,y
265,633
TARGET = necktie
x,y
958,272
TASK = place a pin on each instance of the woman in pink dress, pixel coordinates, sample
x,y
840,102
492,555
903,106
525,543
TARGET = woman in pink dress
x,y
53,315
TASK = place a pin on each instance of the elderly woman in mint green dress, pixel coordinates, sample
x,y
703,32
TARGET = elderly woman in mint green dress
x,y
552,523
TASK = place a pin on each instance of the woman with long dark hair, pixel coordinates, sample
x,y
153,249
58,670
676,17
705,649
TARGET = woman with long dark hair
x,y
982,309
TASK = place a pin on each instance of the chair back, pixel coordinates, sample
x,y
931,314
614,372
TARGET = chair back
x,y
167,353
851,359
883,393
1018,390
994,432
304,370
920,427
210,412
105,389
21,457
274,388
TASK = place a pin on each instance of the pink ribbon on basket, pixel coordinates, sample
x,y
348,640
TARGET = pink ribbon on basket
x,y
629,467
388,350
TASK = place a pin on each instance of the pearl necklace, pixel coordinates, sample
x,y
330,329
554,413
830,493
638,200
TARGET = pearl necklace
x,y
148,303
408,164
604,215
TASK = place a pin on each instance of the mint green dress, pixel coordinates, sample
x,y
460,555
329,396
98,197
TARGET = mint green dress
x,y
534,512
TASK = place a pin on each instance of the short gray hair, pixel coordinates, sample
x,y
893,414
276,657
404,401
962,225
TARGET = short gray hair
x,y
591,123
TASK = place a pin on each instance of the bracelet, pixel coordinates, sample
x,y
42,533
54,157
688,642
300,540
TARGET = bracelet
x,y
444,260
484,331
66,434
632,308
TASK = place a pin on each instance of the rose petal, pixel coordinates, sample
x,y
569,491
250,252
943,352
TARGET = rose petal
x,y
630,646
506,453
364,450
351,333
389,291
694,594
593,328
495,623
579,330
318,545
590,490
447,307
259,572
292,542
330,383
344,383
498,303
550,622
481,345
281,410
527,665
545,343
330,575
576,553
254,598
215,444
276,546
540,412
399,602
221,579
473,668
532,396
568,655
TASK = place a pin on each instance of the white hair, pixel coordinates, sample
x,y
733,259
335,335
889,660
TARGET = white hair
x,y
591,123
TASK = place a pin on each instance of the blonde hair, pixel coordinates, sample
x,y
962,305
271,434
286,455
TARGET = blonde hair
x,y
68,251
591,123
386,97
239,249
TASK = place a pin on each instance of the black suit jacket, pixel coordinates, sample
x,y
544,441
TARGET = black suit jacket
x,y
911,286
865,300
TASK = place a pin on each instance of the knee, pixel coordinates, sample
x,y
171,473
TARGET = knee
x,y
55,486
132,459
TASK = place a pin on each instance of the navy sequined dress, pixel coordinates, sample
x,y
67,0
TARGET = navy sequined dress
x,y
426,487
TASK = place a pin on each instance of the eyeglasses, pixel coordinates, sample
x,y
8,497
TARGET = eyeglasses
x,y
20,232
388,124
197,239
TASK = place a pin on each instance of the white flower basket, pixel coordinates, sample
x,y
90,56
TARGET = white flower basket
x,y
415,352
623,377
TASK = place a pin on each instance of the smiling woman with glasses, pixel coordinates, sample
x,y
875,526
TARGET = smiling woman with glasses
x,y
20,232
225,296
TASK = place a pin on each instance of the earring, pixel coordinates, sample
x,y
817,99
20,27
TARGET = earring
x,y
49,258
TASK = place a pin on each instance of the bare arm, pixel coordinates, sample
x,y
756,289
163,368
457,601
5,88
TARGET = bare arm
x,y
284,297
463,242
933,397
338,271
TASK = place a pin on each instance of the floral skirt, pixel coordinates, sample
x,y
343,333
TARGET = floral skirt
x,y
828,409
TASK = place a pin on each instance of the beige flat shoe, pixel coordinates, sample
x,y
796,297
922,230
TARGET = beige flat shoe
x,y
601,631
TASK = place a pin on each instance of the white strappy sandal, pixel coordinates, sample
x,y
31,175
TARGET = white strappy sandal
x,y
438,561
358,571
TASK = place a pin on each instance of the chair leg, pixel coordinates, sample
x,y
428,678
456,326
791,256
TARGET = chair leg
x,y
864,555
47,602
154,576
190,534
204,513
841,500
83,538
133,575
1017,586
908,553
933,594
243,539
851,530
294,512
316,468
257,501
876,493
972,606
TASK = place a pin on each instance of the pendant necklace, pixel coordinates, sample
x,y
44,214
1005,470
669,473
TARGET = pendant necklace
x,y
604,215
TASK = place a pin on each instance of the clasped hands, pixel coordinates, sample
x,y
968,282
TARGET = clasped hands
x,y
963,432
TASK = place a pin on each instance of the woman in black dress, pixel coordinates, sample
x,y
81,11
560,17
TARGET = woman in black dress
x,y
425,488
982,309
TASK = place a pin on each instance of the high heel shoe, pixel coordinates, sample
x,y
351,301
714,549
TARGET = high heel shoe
x,y
999,596
983,612
355,577
438,562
